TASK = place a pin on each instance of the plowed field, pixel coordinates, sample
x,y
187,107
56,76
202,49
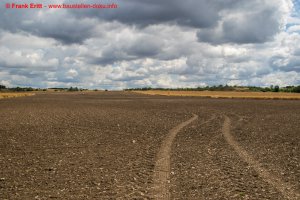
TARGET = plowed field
x,y
122,145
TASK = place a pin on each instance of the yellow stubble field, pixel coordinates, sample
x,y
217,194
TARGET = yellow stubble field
x,y
225,94
14,94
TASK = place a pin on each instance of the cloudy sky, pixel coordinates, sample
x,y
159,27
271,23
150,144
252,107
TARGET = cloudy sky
x,y
157,43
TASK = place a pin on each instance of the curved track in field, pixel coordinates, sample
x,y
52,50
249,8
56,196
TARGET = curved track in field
x,y
286,189
162,165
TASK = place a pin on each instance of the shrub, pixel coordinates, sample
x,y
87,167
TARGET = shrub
x,y
296,89
2,87
276,88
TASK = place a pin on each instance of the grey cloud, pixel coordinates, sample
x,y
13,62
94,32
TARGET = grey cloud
x,y
60,25
125,77
255,27
125,50
148,43
200,13
75,26
65,32
148,46
110,56
285,64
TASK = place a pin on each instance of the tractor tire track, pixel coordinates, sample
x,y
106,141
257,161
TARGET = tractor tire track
x,y
162,165
284,188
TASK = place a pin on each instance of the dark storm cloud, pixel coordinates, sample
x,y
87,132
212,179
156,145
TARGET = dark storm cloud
x,y
255,27
64,32
243,22
200,13
145,47
59,25
77,25
74,26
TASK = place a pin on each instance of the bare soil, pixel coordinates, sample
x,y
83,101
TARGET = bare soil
x,y
106,146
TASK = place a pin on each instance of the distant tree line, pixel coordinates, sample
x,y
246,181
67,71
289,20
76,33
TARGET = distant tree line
x,y
70,89
3,88
276,88
19,89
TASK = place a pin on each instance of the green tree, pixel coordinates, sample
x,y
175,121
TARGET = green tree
x,y
2,87
296,89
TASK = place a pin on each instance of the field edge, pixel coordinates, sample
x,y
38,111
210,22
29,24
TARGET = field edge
x,y
224,94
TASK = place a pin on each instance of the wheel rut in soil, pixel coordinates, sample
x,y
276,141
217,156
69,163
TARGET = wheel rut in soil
x,y
285,188
162,164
